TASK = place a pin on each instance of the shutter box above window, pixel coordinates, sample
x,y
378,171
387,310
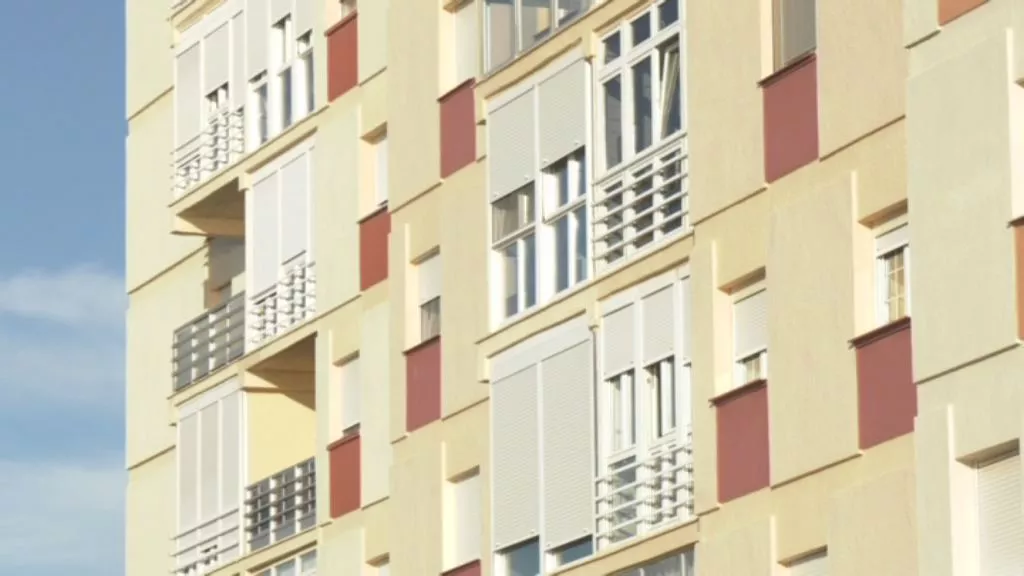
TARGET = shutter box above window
x,y
893,239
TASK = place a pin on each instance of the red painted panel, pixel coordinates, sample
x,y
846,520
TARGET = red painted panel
x,y
886,394
471,569
790,118
342,56
346,475
373,249
458,129
423,384
950,10
743,443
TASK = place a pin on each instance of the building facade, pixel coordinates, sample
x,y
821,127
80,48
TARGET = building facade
x,y
575,287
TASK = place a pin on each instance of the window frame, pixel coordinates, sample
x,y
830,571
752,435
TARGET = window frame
x,y
259,103
464,11
517,238
281,68
555,24
307,71
780,60
742,359
553,212
882,254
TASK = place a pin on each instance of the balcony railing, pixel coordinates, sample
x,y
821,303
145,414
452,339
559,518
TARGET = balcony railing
x,y
220,145
281,505
638,496
642,203
288,303
214,339
207,546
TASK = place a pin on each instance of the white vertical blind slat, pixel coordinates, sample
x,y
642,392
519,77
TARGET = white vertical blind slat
x,y
618,335
659,325
188,95
257,31
265,234
294,208
750,324
216,58
563,117
1000,518
516,485
511,146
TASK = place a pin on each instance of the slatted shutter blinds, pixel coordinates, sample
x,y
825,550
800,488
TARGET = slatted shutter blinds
x,y
231,455
815,565
511,149
468,520
351,394
216,58
257,30
209,458
279,9
1001,518
430,279
188,472
568,445
892,239
659,325
751,324
563,114
516,453
265,234
618,335
304,13
294,208
686,311
238,76
188,95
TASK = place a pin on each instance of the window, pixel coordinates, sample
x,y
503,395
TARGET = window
x,y
812,565
259,120
675,565
464,523
750,338
565,184
283,58
892,253
351,397
648,75
304,565
513,237
308,73
380,159
622,397
536,21
429,272
794,28
574,551
1000,522
217,101
347,7
521,559
466,50
662,381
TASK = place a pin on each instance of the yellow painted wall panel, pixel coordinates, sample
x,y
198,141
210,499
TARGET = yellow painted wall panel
x,y
150,520
373,37
374,101
745,549
341,550
281,429
375,373
377,529
400,302
464,446
710,366
416,504
149,60
920,18
740,237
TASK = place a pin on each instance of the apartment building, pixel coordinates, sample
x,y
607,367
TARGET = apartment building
x,y
575,287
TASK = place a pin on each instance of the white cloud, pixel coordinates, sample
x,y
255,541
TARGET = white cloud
x,y
81,295
62,515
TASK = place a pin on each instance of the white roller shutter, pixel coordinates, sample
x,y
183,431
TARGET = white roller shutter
x,y
566,384
257,30
187,95
659,325
304,14
563,113
231,451
618,335
686,311
216,58
294,208
893,239
1000,518
265,234
429,279
813,565
516,485
468,521
188,472
279,9
511,147
467,45
351,394
238,77
750,324
209,460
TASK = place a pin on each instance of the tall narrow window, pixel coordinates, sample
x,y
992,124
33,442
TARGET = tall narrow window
x,y
466,49
515,26
892,251
513,236
536,21
565,210
661,380
351,397
750,338
463,522
284,56
308,73
259,120
429,272
622,396
613,121
380,159
501,32
795,30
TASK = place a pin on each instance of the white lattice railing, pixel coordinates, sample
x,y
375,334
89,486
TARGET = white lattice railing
x,y
214,339
288,303
214,543
637,496
281,505
220,145
642,203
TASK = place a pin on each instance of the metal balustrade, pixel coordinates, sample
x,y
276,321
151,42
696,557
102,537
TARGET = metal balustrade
x,y
280,506
288,303
211,544
642,203
220,145
212,340
637,496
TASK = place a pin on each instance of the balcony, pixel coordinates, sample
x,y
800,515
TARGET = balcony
x,y
220,145
213,340
281,505
209,545
288,303
639,496
642,203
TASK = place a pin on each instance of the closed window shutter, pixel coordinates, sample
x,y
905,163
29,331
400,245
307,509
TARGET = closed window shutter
x,y
351,394
515,450
430,279
686,311
216,58
187,95
1000,518
659,325
238,76
209,460
231,454
265,234
279,9
257,28
511,146
618,335
468,520
566,384
814,565
750,324
563,113
188,472
294,208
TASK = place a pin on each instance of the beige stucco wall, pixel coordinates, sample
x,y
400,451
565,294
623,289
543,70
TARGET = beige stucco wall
x,y
375,374
373,37
149,65
151,515
416,502
280,429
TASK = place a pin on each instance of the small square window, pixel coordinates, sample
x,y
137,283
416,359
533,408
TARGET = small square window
x,y
573,551
522,559
640,29
612,47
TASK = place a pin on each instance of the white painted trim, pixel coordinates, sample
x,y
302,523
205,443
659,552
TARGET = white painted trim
x,y
217,17
539,347
634,293
534,80
211,396
305,146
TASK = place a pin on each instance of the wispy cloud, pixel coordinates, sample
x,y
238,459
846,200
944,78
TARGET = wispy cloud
x,y
75,296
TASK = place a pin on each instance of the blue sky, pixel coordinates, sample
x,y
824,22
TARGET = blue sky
x,y
62,134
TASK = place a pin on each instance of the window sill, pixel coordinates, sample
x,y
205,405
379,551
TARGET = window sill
x,y
374,212
459,86
880,332
345,20
420,345
792,65
738,391
345,439
459,568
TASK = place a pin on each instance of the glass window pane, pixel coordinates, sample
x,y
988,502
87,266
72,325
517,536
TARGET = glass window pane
x,y
536,19
562,253
582,266
668,13
569,9
310,88
612,47
613,122
511,265
530,273
642,112
574,551
523,560
795,29
511,213
285,569
641,28
501,32
671,89
308,561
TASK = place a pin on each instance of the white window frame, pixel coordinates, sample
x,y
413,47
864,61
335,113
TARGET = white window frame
x,y
555,212
465,60
305,86
350,374
428,274
501,565
282,66
663,391
555,23
260,111
518,239
744,360
883,251
298,562
218,101
621,66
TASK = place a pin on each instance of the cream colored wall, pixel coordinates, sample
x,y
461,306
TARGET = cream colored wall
x,y
374,27
416,503
148,60
375,375
280,429
341,549
151,515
